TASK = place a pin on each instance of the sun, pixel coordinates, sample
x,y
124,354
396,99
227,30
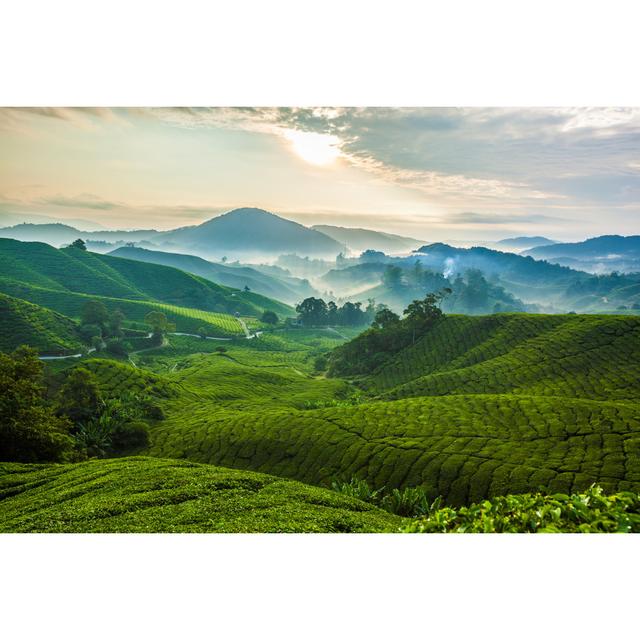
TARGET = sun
x,y
314,148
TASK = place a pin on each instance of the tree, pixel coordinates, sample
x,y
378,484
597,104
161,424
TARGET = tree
x,y
385,318
115,323
352,315
392,276
312,312
332,313
94,312
79,398
270,317
246,289
224,259
202,332
29,429
159,323
78,244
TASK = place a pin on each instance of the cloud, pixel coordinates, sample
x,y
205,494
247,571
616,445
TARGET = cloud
x,y
82,201
471,217
462,155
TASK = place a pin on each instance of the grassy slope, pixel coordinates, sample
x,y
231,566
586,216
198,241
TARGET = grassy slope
x,y
24,323
564,416
152,495
83,272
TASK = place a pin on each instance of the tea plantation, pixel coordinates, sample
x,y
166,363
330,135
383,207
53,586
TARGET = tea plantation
x,y
24,323
146,495
575,424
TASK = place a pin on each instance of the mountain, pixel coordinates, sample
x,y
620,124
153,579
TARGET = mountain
x,y
251,233
363,239
58,234
525,242
24,323
63,280
286,288
11,219
600,254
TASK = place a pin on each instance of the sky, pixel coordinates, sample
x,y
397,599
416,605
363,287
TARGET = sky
x,y
436,174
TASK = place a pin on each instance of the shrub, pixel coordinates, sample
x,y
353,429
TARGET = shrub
x,y
89,331
359,489
587,512
130,435
116,347
320,363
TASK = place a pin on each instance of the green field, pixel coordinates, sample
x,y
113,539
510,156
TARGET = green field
x,y
144,495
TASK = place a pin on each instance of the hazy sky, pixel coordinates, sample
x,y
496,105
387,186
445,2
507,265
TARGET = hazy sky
x,y
434,174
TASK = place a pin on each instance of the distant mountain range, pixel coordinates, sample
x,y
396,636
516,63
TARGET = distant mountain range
x,y
58,234
363,239
598,255
525,242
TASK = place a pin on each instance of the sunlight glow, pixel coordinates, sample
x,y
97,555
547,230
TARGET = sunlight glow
x,y
315,148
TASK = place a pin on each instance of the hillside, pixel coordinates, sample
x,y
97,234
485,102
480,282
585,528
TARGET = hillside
x,y
146,495
288,289
27,266
362,239
251,233
24,323
477,408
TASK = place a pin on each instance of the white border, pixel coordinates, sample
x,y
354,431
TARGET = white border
x,y
330,53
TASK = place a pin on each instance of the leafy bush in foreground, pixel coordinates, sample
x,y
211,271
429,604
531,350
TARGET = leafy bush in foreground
x,y
410,501
587,512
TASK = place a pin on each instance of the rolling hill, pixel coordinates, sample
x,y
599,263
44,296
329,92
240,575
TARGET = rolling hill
x,y
56,278
146,495
363,239
286,288
251,233
24,323
478,407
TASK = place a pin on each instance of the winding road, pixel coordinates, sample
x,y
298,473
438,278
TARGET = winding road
x,y
247,334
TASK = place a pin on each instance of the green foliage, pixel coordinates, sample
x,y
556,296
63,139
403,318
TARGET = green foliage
x,y
388,336
79,398
158,323
33,271
269,317
78,244
94,313
29,430
24,323
407,502
588,512
146,495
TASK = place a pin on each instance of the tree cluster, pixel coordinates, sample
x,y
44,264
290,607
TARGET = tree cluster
x,y
387,335
315,312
